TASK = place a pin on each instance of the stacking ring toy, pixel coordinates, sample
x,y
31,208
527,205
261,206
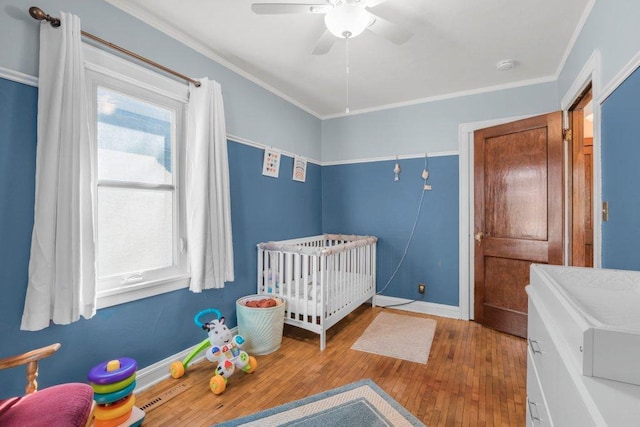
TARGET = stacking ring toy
x,y
115,411
99,374
110,388
103,399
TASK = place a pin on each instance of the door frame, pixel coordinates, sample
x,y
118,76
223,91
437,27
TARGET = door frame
x,y
589,73
466,210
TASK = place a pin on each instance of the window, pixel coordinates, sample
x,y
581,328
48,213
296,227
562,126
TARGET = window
x,y
137,119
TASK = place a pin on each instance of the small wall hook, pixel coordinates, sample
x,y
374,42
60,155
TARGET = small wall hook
x,y
396,171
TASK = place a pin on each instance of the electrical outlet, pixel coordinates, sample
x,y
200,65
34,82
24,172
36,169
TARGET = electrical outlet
x,y
421,288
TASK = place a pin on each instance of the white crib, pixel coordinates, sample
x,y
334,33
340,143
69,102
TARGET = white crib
x,y
321,278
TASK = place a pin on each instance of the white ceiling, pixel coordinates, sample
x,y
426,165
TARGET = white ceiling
x,y
454,49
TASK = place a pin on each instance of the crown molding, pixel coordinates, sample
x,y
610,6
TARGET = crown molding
x,y
574,37
451,95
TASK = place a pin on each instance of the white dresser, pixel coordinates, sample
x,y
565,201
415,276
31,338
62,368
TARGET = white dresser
x,y
583,363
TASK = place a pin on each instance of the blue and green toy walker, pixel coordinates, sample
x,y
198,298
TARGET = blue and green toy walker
x,y
222,347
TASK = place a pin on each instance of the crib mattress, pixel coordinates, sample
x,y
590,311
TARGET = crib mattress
x,y
337,290
597,312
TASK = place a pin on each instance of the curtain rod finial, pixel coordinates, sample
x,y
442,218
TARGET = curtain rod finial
x,y
37,13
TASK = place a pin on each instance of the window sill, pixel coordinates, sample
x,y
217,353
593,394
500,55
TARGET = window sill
x,y
139,291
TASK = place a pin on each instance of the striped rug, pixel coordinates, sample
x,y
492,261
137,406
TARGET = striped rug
x,y
362,403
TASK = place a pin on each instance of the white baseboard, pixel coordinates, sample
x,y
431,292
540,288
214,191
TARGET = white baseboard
x,y
423,307
159,371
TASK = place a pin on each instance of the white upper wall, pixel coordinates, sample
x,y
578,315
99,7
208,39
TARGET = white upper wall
x,y
252,112
427,127
613,29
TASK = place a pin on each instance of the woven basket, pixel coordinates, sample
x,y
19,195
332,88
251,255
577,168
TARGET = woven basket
x,y
260,327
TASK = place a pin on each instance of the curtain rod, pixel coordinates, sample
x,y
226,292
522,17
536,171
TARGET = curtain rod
x,y
37,13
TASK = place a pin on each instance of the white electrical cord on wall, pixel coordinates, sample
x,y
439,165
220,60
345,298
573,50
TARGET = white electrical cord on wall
x,y
425,175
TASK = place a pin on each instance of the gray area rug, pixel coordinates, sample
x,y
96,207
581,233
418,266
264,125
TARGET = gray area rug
x,y
388,330
362,403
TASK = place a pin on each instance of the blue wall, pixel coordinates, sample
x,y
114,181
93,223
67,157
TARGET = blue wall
x,y
620,155
151,329
363,198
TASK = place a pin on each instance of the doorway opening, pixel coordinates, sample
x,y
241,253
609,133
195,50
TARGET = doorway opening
x,y
580,178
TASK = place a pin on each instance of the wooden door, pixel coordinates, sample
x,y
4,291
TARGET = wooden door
x,y
518,215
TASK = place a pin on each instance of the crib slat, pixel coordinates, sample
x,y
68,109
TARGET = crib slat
x,y
292,292
286,280
352,284
305,280
260,271
341,279
332,283
315,289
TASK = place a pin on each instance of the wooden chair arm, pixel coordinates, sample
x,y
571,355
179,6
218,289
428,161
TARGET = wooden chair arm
x,y
33,355
30,359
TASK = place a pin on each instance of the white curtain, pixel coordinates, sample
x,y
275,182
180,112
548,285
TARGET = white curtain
x,y
62,265
209,238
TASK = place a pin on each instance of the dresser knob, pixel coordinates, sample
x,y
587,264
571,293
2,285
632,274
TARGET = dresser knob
x,y
532,406
535,346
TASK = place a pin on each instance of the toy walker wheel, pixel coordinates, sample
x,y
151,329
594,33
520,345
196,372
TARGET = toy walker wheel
x,y
177,369
252,366
217,384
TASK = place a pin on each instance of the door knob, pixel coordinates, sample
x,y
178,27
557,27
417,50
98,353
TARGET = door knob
x,y
479,235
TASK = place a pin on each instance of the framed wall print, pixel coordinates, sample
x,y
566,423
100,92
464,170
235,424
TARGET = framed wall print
x,y
299,169
271,163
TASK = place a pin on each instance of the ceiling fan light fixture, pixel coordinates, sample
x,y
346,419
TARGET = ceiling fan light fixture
x,y
346,20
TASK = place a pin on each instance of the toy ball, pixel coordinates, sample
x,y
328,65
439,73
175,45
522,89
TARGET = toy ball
x,y
261,303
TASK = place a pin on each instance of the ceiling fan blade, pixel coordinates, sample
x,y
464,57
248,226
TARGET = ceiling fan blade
x,y
389,30
287,8
325,42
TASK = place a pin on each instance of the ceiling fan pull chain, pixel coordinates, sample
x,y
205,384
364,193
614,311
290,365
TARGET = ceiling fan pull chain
x,y
347,50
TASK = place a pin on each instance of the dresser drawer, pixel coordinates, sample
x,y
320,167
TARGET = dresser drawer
x,y
537,411
544,355
574,405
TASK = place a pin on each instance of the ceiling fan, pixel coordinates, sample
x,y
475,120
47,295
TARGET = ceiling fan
x,y
343,18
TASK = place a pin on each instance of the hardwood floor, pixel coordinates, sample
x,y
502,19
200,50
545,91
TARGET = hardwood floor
x,y
475,376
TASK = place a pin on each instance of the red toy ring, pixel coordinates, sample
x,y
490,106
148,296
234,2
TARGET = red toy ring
x,y
100,375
